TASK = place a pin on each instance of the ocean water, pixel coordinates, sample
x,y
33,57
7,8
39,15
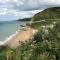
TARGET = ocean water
x,y
9,28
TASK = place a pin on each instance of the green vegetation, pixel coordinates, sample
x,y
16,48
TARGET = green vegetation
x,y
50,13
48,17
46,42
45,46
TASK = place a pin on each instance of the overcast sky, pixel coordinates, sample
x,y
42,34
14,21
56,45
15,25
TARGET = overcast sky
x,y
15,9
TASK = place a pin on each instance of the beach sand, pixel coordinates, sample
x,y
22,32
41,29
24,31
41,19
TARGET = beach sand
x,y
26,34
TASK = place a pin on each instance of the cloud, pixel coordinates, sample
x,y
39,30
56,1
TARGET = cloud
x,y
11,14
25,8
32,4
3,11
26,14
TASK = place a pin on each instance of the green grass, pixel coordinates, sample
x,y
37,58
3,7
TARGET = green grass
x,y
48,14
45,45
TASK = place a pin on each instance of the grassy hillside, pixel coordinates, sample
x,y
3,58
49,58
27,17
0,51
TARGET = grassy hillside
x,y
48,17
48,24
45,46
50,13
46,42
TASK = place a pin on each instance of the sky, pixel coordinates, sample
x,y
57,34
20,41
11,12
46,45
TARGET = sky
x,y
19,9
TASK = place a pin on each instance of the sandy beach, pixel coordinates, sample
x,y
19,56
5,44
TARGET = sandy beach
x,y
26,34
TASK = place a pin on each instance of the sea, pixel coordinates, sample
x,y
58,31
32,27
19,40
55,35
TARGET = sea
x,y
9,28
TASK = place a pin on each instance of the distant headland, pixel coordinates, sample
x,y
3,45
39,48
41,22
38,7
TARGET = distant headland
x,y
25,19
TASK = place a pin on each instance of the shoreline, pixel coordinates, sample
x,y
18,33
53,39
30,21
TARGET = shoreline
x,y
8,38
23,35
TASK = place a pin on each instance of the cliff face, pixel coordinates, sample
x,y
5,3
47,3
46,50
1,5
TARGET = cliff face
x,y
50,13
